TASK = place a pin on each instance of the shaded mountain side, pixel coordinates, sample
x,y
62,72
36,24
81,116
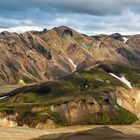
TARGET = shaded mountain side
x,y
90,96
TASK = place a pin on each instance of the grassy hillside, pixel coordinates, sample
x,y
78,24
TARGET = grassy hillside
x,y
33,103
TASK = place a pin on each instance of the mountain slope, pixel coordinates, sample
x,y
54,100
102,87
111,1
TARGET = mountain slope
x,y
116,48
40,56
52,54
90,96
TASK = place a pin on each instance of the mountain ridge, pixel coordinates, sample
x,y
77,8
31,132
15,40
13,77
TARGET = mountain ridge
x,y
30,53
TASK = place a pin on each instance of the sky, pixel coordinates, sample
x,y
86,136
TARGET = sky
x,y
86,16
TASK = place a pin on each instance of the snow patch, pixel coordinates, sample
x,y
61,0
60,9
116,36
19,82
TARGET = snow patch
x,y
21,82
3,97
125,39
29,52
120,101
122,79
72,63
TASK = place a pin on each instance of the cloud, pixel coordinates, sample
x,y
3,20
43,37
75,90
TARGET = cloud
x,y
6,23
21,29
87,16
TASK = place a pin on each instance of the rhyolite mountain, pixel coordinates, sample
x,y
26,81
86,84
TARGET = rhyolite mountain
x,y
40,56
76,79
117,48
53,54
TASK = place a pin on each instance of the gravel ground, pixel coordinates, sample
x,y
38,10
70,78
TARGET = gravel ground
x,y
20,133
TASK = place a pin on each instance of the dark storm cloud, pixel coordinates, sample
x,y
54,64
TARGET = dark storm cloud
x,y
85,15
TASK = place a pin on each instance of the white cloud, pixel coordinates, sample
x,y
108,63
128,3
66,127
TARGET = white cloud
x,y
21,29
8,22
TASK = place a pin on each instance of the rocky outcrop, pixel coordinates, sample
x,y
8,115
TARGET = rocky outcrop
x,y
78,111
117,36
8,121
47,124
130,100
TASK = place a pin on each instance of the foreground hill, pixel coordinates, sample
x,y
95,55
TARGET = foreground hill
x,y
90,96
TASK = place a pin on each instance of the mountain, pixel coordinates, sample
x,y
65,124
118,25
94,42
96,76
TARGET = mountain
x,y
41,56
69,78
53,54
117,48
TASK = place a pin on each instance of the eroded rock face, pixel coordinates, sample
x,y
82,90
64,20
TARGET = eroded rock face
x,y
47,124
8,121
79,110
117,36
135,99
130,100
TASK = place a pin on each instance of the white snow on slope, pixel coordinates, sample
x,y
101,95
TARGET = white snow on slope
x,y
72,63
125,39
122,79
3,97
120,101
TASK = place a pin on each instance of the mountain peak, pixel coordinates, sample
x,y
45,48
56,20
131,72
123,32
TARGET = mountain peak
x,y
117,36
